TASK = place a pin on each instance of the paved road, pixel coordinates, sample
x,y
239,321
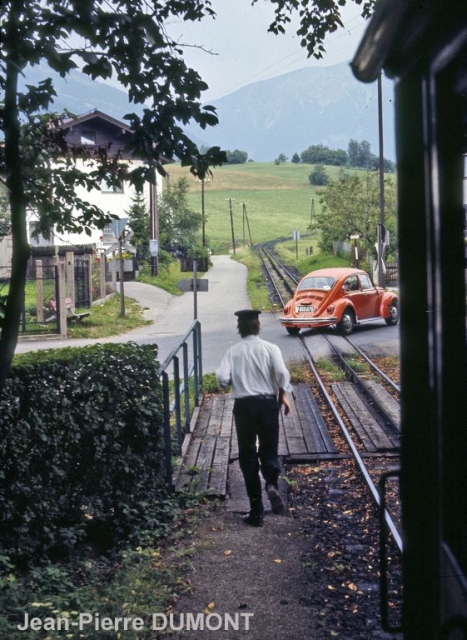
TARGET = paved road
x,y
172,316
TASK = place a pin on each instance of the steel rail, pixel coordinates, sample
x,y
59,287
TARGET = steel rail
x,y
272,279
276,260
361,465
374,366
280,270
368,360
358,381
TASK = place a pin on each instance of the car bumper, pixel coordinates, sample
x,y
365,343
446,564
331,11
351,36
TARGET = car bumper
x,y
321,321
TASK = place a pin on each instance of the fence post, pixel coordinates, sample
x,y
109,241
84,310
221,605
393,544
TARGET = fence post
x,y
61,303
103,274
39,291
90,261
70,276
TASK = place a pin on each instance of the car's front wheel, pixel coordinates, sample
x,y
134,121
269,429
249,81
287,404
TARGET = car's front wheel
x,y
393,317
293,331
346,323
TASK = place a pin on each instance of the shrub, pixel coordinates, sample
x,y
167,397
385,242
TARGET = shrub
x,y
318,177
81,449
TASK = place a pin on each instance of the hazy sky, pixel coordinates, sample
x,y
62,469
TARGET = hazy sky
x,y
244,52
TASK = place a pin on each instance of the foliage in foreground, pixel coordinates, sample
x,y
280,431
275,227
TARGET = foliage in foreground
x,y
81,450
135,581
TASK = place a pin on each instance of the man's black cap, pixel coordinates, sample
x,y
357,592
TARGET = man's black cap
x,y
247,314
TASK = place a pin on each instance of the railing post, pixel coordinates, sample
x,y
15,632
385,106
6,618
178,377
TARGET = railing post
x,y
167,431
178,418
197,368
200,354
186,387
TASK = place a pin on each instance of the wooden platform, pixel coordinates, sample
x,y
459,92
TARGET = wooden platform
x,y
208,464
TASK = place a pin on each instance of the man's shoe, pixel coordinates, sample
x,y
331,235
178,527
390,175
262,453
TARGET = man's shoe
x,y
277,504
253,519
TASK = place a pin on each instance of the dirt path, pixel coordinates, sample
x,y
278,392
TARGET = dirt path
x,y
240,570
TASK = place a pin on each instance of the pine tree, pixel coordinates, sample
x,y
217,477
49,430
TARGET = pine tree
x,y
138,220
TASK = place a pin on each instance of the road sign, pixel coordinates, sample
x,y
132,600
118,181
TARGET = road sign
x,y
154,247
187,284
188,264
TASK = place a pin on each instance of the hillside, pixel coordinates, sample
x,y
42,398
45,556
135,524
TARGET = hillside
x,y
287,114
278,200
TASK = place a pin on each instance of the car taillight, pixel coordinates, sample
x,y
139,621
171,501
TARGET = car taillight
x,y
330,309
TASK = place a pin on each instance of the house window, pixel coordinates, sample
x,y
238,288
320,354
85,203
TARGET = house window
x,y
88,137
111,188
108,234
38,240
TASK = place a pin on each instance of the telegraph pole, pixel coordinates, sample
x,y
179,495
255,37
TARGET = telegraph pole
x,y
312,215
232,225
154,216
245,219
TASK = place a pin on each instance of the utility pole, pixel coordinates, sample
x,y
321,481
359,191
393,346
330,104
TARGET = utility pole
x,y
154,216
232,226
245,219
203,219
312,215
121,273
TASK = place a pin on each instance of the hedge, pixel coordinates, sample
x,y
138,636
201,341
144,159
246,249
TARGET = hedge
x,y
81,449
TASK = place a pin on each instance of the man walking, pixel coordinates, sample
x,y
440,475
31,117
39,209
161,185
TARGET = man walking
x,y
260,380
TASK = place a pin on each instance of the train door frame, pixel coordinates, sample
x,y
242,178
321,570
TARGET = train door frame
x,y
423,46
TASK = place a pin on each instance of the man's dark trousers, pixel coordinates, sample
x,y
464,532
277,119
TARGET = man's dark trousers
x,y
257,417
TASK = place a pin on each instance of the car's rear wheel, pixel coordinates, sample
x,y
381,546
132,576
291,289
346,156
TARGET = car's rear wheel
x,y
293,331
346,323
393,317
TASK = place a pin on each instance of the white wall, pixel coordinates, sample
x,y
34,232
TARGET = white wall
x,y
114,203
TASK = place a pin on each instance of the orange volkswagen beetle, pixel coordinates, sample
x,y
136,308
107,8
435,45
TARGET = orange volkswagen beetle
x,y
338,296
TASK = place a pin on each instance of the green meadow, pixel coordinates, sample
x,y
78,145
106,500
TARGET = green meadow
x,y
278,200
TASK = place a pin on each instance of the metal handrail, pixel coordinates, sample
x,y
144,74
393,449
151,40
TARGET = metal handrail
x,y
181,377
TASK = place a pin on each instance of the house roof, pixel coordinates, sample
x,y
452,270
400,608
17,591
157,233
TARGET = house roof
x,y
95,114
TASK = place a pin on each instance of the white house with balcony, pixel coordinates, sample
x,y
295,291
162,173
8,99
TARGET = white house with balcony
x,y
97,129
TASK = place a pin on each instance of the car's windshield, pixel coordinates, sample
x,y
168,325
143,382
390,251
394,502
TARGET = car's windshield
x,y
317,282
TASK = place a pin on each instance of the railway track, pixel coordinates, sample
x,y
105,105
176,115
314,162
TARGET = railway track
x,y
363,403
280,279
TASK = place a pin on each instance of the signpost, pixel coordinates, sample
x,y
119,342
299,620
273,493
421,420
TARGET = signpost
x,y
195,285
118,227
296,237
355,238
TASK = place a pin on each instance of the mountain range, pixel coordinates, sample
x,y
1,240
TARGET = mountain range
x,y
282,115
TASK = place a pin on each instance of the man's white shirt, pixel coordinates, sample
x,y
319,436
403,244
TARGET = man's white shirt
x,y
254,367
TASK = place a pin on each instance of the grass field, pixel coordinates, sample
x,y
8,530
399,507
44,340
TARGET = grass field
x,y
278,200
